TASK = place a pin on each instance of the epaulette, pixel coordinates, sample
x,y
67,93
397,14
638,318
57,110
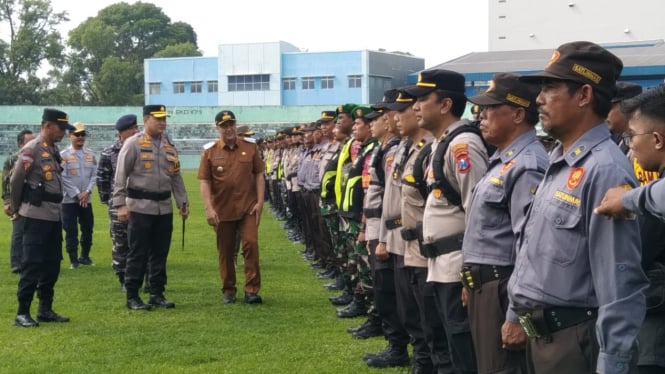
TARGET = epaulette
x,y
209,145
249,140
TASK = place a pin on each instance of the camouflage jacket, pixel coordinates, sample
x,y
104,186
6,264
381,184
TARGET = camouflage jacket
x,y
108,161
7,169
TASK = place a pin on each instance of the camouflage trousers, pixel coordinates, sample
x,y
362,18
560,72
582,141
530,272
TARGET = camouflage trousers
x,y
118,231
331,219
357,258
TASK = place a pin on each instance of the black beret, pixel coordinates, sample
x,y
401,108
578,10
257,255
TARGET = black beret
x,y
125,122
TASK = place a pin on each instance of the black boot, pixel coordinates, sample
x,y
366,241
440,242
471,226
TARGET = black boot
x,y
45,313
23,317
344,299
121,279
395,356
134,302
357,308
371,329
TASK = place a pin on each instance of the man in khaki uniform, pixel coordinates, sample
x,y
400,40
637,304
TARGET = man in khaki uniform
x,y
458,161
148,173
36,196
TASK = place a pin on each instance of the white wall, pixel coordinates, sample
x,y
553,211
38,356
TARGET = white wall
x,y
543,24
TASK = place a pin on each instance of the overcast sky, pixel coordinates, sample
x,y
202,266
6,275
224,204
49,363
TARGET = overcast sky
x,y
437,30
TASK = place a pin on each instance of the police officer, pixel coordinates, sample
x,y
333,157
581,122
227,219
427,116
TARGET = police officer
x,y
148,173
646,139
78,179
497,214
36,195
577,283
108,162
16,246
232,188
458,161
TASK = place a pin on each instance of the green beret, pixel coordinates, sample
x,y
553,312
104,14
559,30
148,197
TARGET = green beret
x,y
346,108
360,111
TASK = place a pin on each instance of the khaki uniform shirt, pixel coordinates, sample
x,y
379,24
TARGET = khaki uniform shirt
x,y
37,164
392,209
465,163
232,176
146,167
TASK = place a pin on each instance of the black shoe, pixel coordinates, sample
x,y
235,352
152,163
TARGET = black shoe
x,y
353,329
328,274
135,303
317,265
86,261
160,301
252,298
229,299
51,316
16,269
357,308
382,352
422,369
341,300
24,320
74,265
369,331
394,357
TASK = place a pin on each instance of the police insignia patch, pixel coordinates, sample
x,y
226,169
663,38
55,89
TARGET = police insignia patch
x,y
574,178
507,166
389,162
463,164
437,193
27,159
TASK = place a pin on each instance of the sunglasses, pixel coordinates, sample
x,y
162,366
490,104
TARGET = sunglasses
x,y
80,134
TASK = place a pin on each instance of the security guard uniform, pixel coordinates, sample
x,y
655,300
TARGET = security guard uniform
x,y
148,174
36,194
463,165
79,174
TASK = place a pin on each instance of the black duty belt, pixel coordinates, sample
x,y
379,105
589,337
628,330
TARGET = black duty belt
x,y
394,223
542,323
442,246
474,276
409,234
146,195
372,212
312,190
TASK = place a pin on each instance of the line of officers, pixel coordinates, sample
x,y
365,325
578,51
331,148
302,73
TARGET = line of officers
x,y
469,240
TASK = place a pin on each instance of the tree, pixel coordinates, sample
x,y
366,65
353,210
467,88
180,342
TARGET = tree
x,y
179,50
126,34
31,41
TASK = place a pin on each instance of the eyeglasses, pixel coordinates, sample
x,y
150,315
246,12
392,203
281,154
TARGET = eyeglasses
x,y
628,137
79,134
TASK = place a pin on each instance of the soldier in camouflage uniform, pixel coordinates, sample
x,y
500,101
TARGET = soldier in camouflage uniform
x,y
16,250
126,126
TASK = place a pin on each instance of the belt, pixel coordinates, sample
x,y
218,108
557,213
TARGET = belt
x,y
146,195
474,276
394,223
372,212
313,190
409,234
542,323
442,246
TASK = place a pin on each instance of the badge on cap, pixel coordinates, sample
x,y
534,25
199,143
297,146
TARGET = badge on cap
x,y
555,56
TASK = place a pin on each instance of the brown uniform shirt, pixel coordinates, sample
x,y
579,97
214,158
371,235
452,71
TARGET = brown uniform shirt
x,y
232,176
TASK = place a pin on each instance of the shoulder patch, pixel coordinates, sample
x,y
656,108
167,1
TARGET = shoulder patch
x,y
249,140
208,145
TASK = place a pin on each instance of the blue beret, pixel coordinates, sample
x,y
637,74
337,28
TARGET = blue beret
x,y
125,122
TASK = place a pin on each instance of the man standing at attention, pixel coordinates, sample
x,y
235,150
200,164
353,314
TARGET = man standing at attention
x,y
108,162
577,283
36,195
78,179
232,188
148,173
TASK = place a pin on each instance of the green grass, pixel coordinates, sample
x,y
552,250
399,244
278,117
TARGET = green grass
x,y
294,331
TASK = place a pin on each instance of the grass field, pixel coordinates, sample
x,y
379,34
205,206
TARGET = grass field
x,y
294,331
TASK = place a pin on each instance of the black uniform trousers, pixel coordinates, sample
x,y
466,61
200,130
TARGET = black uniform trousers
x,y
385,301
149,239
42,253
487,305
73,216
448,297
16,249
317,229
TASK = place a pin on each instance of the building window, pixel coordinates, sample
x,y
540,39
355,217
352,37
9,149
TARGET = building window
x,y
289,84
327,83
256,82
178,87
212,86
155,88
308,83
196,87
355,81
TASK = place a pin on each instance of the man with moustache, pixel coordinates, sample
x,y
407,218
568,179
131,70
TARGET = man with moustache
x,y
36,196
577,287
458,162
497,212
148,174
232,188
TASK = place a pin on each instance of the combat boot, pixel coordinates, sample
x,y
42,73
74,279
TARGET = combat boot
x,y
395,356
371,329
45,313
357,308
